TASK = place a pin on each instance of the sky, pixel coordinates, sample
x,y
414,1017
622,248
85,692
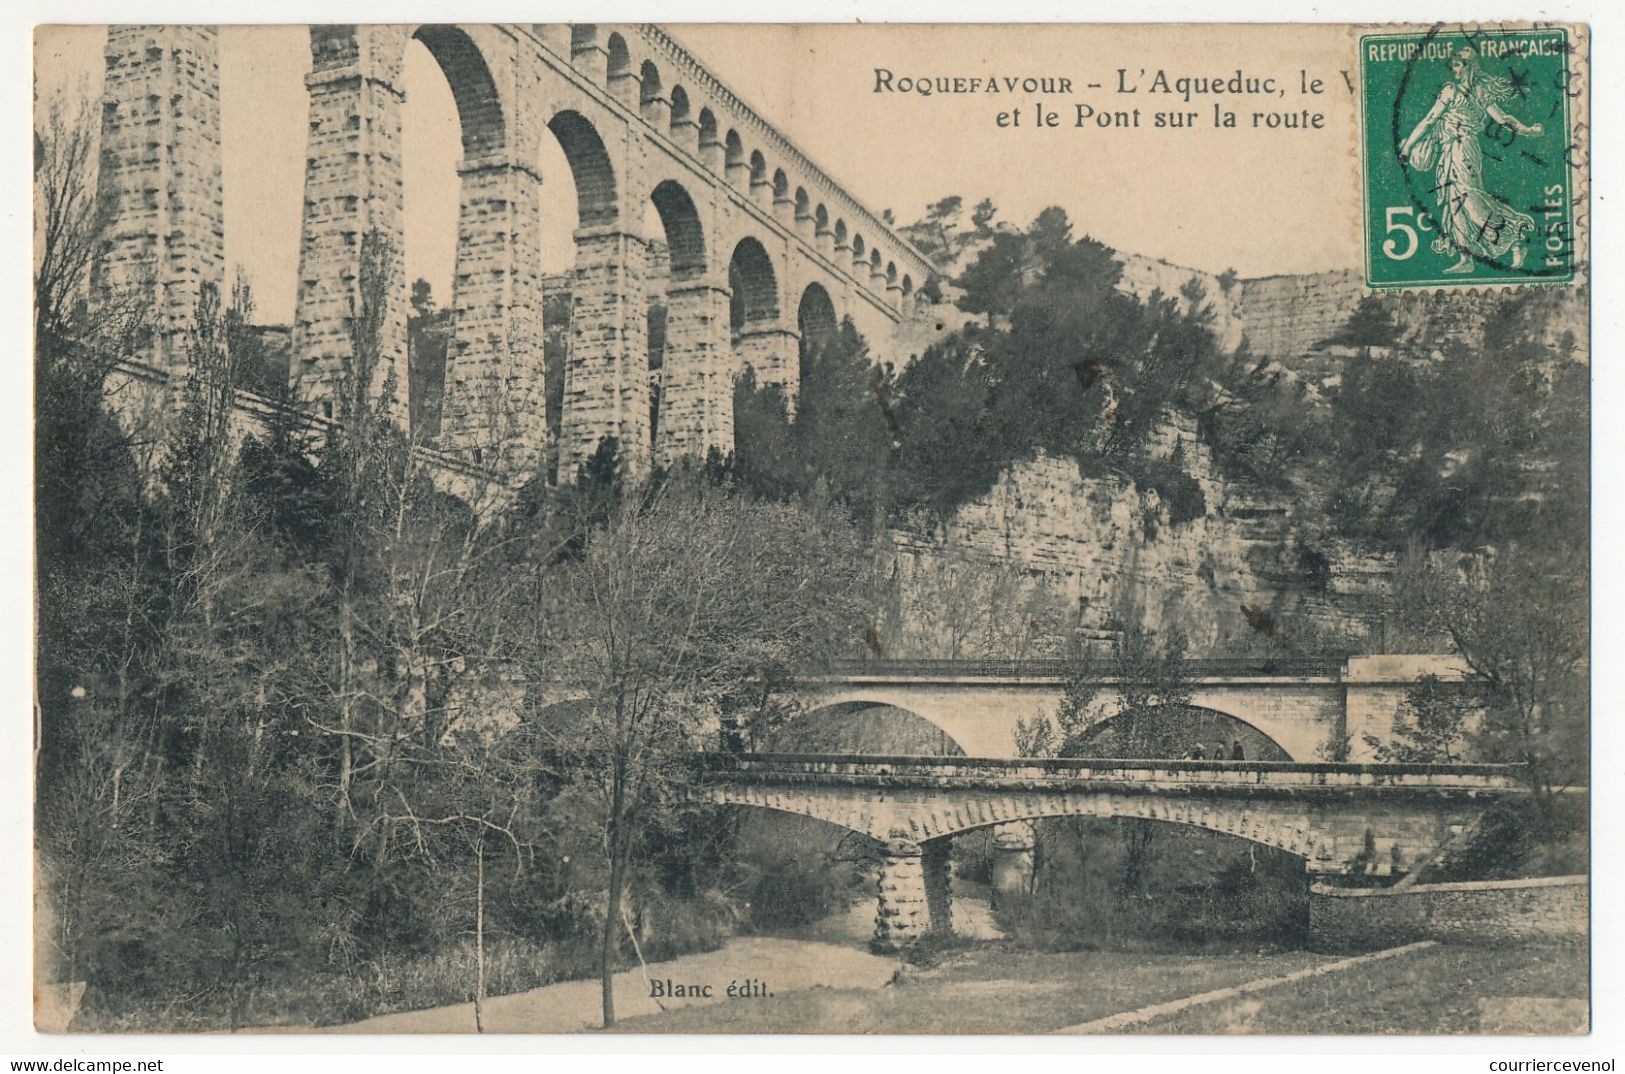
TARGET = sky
x,y
1265,202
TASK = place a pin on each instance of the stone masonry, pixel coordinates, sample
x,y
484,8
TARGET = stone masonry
x,y
1485,911
1304,710
1343,820
696,403
606,377
353,196
160,176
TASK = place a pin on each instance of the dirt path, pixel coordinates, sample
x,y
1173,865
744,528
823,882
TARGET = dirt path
x,y
780,965
831,953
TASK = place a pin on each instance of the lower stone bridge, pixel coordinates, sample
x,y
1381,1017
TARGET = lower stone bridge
x,y
1343,820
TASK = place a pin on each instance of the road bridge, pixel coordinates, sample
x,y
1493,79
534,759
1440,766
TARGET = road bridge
x,y
1288,709
1343,820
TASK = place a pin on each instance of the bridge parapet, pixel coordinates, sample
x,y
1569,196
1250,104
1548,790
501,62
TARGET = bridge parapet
x,y
1156,775
1063,670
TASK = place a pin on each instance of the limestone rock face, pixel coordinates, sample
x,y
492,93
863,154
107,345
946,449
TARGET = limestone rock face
x,y
1106,550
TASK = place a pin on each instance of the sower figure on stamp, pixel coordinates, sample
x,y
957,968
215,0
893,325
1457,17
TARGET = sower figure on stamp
x,y
1472,221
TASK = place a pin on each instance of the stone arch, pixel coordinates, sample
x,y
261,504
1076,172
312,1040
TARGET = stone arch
x,y
686,409
680,108
1264,826
953,813
685,233
817,322
1207,727
479,107
758,170
891,273
648,82
821,222
733,155
840,233
781,186
874,261
590,166
803,209
859,249
620,57
708,128
860,728
754,286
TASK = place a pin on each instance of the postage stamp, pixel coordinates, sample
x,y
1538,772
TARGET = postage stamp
x,y
1468,152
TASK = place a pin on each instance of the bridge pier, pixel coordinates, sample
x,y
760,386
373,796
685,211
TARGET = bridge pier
x,y
937,867
606,376
902,915
1012,859
915,892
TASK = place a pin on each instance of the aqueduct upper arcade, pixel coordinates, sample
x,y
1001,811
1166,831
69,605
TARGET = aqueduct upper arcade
x,y
760,246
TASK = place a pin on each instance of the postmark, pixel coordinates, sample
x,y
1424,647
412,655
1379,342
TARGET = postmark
x,y
1468,156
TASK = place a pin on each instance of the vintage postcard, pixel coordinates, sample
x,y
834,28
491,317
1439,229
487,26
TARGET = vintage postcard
x,y
812,529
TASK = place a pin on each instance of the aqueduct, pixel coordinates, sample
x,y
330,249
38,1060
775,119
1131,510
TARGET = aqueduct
x,y
761,246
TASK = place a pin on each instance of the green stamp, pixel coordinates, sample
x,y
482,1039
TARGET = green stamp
x,y
1468,153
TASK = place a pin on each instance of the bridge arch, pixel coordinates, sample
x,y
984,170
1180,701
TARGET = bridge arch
x,y
685,233
479,108
818,324
680,113
619,58
939,815
862,727
754,286
804,215
708,135
951,817
597,201
1194,726
649,88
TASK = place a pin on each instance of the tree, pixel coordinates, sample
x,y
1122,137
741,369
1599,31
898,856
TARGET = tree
x,y
1433,728
938,229
1138,717
685,592
841,440
1517,618
981,218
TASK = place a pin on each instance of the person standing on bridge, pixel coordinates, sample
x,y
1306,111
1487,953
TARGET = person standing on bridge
x,y
1236,752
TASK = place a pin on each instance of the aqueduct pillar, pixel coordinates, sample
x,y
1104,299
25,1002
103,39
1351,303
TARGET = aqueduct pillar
x,y
160,176
353,207
696,398
606,379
